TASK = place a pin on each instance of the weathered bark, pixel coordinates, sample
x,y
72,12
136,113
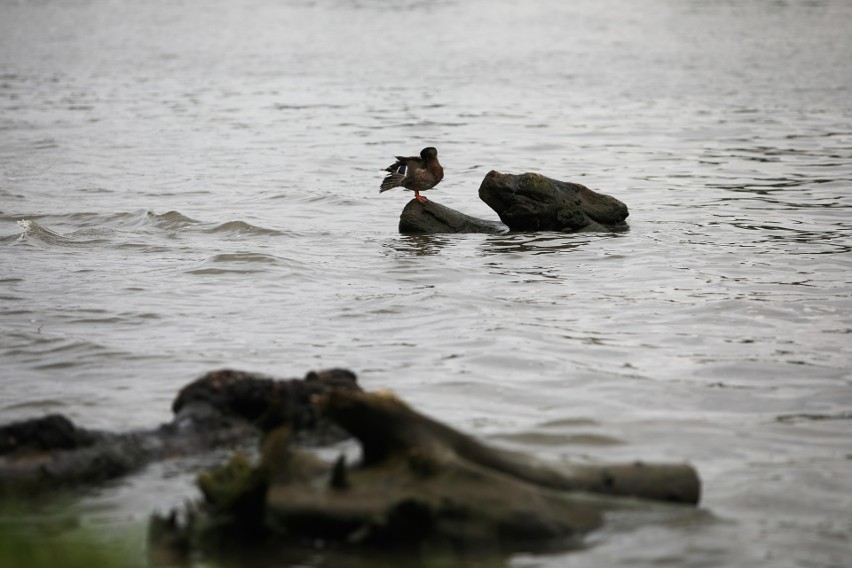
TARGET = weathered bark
x,y
421,485
222,408
533,202
431,218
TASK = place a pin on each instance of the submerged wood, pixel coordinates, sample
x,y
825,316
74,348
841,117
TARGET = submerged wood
x,y
525,202
420,485
432,218
222,408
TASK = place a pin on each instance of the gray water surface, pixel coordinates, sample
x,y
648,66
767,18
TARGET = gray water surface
x,y
188,185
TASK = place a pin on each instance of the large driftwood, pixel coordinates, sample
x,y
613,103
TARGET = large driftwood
x,y
420,485
525,202
222,408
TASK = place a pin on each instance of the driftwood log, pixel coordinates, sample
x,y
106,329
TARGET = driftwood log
x,y
222,408
431,217
525,202
420,485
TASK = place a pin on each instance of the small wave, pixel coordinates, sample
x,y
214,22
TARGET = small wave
x,y
44,352
245,257
242,228
217,271
246,262
98,228
121,220
171,220
33,232
91,219
168,221
794,418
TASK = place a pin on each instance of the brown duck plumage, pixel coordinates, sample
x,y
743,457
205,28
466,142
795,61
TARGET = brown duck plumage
x,y
414,173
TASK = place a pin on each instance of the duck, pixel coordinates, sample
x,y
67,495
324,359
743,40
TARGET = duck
x,y
414,173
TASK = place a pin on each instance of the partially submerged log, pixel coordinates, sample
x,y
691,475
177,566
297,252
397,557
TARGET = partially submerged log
x,y
525,202
420,485
222,408
432,218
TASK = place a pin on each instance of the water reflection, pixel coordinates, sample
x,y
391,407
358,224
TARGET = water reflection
x,y
539,243
417,245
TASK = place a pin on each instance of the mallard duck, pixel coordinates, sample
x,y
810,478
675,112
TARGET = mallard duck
x,y
415,174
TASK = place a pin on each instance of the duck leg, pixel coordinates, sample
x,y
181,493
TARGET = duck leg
x,y
419,197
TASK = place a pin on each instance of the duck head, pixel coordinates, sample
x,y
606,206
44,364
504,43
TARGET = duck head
x,y
429,153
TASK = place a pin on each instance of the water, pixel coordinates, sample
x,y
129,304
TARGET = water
x,y
190,185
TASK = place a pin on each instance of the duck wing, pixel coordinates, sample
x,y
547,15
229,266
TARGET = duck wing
x,y
391,181
399,171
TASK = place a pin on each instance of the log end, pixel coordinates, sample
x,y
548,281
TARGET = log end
x,y
534,202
